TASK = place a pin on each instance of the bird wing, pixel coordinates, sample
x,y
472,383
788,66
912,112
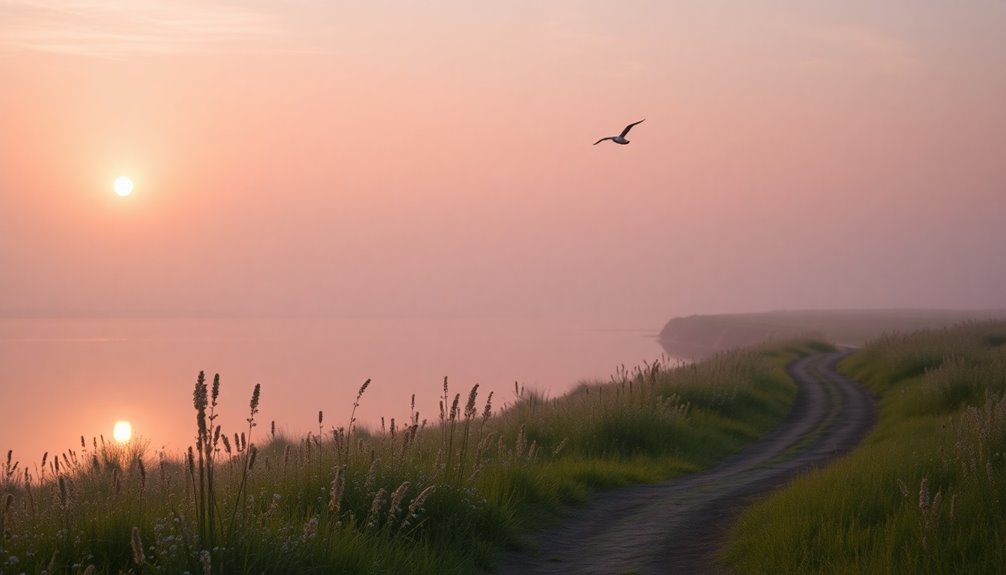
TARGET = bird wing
x,y
629,127
603,139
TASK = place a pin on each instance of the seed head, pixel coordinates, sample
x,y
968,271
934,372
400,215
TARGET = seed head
x,y
521,443
137,545
488,411
199,393
368,485
215,392
560,447
396,500
375,508
416,505
338,487
470,405
363,388
191,460
256,393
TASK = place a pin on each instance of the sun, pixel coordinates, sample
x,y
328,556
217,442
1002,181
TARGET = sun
x,y
123,186
122,432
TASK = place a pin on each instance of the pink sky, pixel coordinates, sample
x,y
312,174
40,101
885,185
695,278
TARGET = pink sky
x,y
370,159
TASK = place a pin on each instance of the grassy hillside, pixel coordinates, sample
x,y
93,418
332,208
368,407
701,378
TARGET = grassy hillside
x,y
698,336
416,496
925,493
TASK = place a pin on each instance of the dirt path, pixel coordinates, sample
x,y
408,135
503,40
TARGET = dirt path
x,y
678,526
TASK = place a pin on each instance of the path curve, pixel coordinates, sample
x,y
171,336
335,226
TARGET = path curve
x,y
678,526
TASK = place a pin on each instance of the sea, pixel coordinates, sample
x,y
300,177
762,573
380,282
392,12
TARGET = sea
x,y
67,381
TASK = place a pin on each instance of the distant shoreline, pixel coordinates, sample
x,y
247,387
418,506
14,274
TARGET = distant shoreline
x,y
699,336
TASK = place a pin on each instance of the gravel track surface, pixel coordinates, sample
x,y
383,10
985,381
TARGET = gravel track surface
x,y
678,526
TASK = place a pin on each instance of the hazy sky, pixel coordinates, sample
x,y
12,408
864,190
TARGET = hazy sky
x,y
434,158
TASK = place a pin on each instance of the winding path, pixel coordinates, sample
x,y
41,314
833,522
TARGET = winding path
x,y
678,526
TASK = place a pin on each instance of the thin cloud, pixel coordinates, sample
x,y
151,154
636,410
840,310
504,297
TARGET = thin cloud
x,y
114,29
859,44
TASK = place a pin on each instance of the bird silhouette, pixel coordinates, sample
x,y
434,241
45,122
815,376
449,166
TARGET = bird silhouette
x,y
620,139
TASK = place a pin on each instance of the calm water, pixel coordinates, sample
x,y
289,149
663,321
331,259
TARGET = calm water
x,y
63,378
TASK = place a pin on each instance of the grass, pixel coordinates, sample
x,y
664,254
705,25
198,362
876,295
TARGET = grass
x,y
415,496
924,493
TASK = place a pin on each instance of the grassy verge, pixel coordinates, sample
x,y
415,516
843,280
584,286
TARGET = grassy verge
x,y
413,497
925,493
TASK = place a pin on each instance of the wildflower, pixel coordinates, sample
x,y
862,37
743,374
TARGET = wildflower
x,y
310,530
206,561
274,505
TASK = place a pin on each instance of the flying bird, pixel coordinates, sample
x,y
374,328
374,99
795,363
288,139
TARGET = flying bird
x,y
620,139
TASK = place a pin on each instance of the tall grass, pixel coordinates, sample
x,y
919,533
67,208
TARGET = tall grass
x,y
925,493
413,496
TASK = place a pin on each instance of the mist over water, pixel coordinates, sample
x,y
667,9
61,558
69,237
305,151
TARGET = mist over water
x,y
73,377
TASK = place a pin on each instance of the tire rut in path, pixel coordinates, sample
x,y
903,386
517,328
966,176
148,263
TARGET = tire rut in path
x,y
678,526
